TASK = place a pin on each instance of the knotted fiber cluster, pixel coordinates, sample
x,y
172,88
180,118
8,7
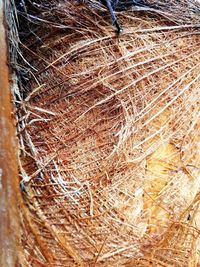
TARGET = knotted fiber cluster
x,y
108,130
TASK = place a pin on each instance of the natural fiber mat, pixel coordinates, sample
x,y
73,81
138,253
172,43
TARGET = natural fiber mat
x,y
108,130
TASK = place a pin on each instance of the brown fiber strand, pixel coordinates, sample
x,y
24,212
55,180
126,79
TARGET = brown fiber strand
x,y
108,129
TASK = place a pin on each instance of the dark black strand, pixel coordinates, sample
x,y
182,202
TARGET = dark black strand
x,y
111,6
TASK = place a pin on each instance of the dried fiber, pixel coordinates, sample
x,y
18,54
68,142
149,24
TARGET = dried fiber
x,y
108,129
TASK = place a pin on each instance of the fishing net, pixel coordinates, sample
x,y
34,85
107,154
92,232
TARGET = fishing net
x,y
108,130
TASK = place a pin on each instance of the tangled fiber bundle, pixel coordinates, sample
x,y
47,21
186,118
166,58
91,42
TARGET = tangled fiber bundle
x,y
108,130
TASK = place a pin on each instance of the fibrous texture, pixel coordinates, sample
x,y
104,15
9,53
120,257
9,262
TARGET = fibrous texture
x,y
108,130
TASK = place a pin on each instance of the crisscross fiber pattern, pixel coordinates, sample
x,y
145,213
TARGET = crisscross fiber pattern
x,y
108,131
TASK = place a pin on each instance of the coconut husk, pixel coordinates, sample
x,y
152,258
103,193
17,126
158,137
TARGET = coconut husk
x,y
108,129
